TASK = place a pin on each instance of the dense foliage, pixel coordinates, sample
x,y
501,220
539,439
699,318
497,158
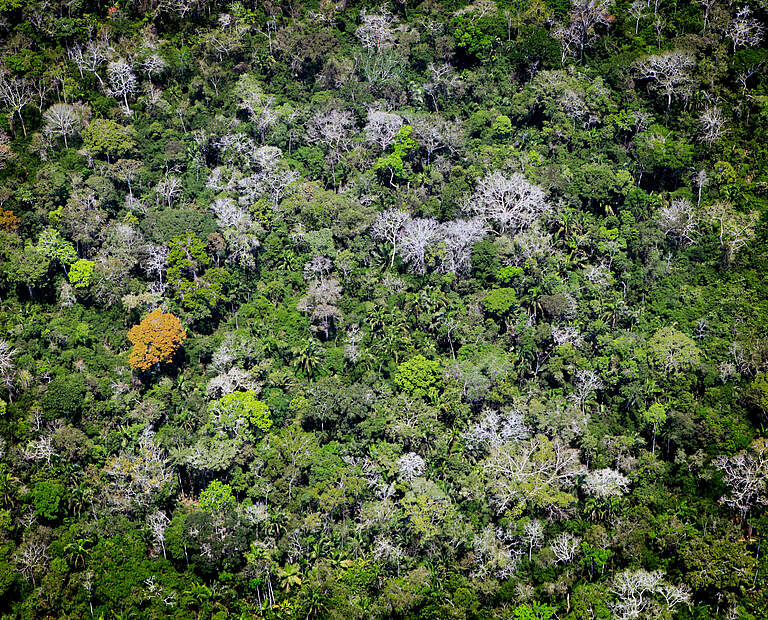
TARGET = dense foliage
x,y
345,310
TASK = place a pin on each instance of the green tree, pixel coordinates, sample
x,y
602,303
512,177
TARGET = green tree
x,y
217,497
418,376
104,136
81,272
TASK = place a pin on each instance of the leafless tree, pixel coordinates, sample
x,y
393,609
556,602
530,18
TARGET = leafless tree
x,y
382,128
565,547
458,239
707,6
89,57
669,73
495,429
416,237
122,81
376,31
736,229
514,203
587,382
389,227
711,125
639,10
700,180
62,120
31,559
744,30
138,476
168,189
332,129
537,472
7,366
434,134
411,466
157,523
153,64
637,593
320,300
679,221
239,230
602,483
582,30
16,94
156,261
533,535
443,81
746,475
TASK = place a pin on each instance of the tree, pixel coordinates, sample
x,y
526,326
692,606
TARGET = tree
x,y
320,301
746,475
655,416
735,229
711,125
104,136
679,221
63,120
582,29
514,203
217,497
416,237
231,414
744,30
388,227
669,73
674,351
122,81
89,57
393,162
382,128
15,94
638,591
81,272
155,339
418,376
537,473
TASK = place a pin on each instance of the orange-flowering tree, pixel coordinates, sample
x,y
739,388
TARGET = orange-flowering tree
x,y
155,339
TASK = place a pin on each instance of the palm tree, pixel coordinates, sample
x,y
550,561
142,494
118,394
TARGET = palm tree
x,y
290,575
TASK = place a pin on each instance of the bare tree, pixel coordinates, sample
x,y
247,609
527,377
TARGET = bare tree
x,y
416,237
15,94
434,134
320,301
639,10
736,229
564,547
746,475
62,120
587,382
443,80
582,29
602,483
640,592
31,559
711,125
744,30
168,189
89,57
411,466
458,239
679,221
382,128
376,31
535,473
533,535
122,81
707,6
389,226
514,203
669,73
7,367
333,129
158,523
239,230
700,180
